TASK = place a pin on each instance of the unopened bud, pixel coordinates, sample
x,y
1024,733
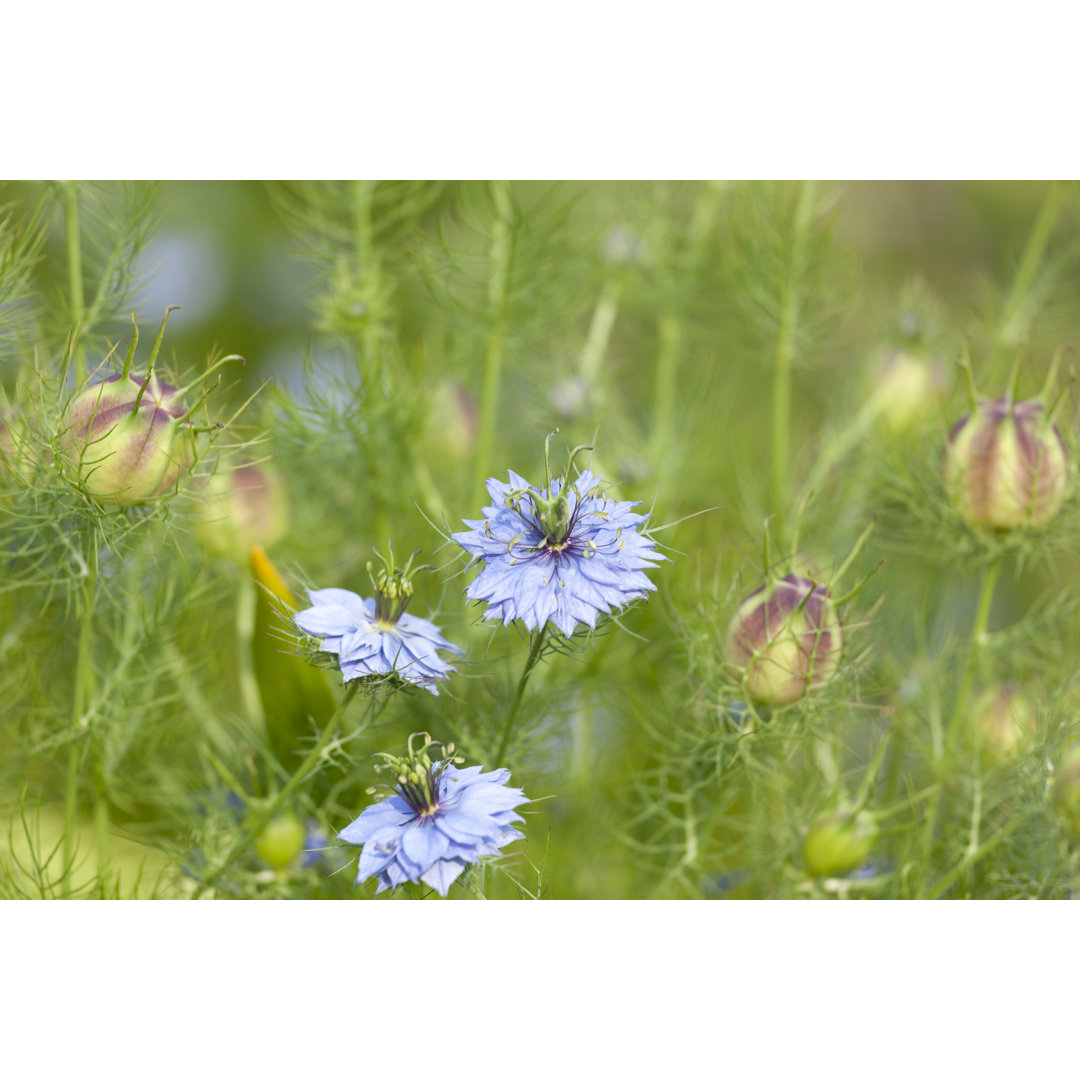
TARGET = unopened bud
x,y
1006,723
281,841
785,640
911,387
1005,466
126,453
245,506
839,842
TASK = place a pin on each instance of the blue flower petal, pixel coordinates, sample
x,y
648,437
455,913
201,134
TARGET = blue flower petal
x,y
443,874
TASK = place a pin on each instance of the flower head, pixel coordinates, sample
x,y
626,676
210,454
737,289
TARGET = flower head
x,y
375,637
1006,465
785,640
438,820
562,555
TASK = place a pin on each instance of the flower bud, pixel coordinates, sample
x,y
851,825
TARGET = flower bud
x,y
453,424
128,449
838,842
1006,723
281,841
243,507
910,387
785,640
1005,466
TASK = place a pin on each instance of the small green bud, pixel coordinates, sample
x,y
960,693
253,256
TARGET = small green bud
x,y
281,841
1006,466
911,387
1065,793
785,640
839,841
128,443
1006,723
243,507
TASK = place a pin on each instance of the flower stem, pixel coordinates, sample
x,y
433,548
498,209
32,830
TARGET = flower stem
x,y
530,664
502,258
75,278
1016,318
967,681
260,820
83,690
785,348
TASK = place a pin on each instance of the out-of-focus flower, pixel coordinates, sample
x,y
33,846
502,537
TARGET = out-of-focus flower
x,y
785,640
438,820
375,637
1006,465
564,555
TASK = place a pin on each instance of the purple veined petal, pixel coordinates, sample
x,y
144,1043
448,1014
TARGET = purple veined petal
x,y
375,858
421,846
463,828
486,799
356,606
328,620
392,811
443,874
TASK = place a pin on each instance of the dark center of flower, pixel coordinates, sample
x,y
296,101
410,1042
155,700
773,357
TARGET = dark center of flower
x,y
417,776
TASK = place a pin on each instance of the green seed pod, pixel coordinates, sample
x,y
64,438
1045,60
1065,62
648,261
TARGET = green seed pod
x,y
785,640
1065,794
1006,723
839,841
242,508
128,443
1006,466
281,841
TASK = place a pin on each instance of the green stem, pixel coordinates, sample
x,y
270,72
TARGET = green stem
x,y
502,258
530,664
603,319
83,692
967,681
260,820
978,640
75,278
785,348
1014,324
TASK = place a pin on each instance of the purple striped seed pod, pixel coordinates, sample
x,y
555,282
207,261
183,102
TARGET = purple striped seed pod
x,y
127,453
1006,465
1006,723
785,640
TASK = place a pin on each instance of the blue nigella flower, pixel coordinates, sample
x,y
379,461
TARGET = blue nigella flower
x,y
439,820
562,556
375,636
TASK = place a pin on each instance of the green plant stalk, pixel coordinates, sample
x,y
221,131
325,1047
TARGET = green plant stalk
x,y
1013,327
75,278
670,326
82,694
784,357
298,777
603,319
967,681
502,260
530,664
